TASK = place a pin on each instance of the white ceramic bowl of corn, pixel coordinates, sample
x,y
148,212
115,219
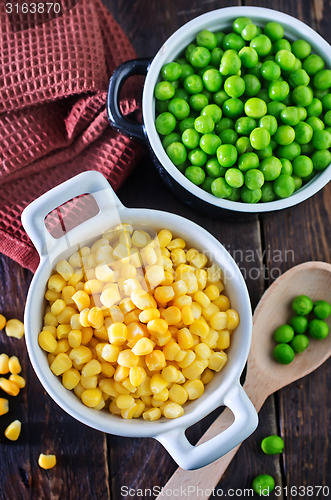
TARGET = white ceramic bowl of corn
x,y
223,389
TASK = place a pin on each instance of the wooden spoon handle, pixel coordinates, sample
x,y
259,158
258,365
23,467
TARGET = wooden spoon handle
x,y
208,477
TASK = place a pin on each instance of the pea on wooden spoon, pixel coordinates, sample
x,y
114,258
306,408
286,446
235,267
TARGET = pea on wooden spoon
x,y
264,375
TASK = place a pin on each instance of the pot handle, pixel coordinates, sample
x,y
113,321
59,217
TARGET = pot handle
x,y
122,73
191,457
91,182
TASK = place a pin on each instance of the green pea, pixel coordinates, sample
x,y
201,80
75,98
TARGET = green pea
x,y
248,161
272,445
270,70
309,177
302,305
177,153
298,77
224,124
235,195
228,136
240,23
249,57
230,63
326,101
186,123
190,138
189,50
274,31
255,70
214,169
181,94
233,41
315,123
259,138
193,84
252,85
219,37
220,97
198,101
297,182
220,188
170,138
197,157
186,70
263,484
234,86
303,133
286,166
318,329
200,57
206,39
171,71
216,56
279,90
254,179
271,168
195,175
301,49
214,111
322,309
284,354
179,108
321,139
281,44
290,115
285,59
299,324
164,91
300,343
265,153
249,195
289,151
312,64
255,107
227,155
274,108
262,45
268,122
302,166
268,194
249,32
243,145
327,118
321,159
283,334
233,107
234,177
245,125
284,186
209,143
165,123
204,124
284,135
212,80
302,113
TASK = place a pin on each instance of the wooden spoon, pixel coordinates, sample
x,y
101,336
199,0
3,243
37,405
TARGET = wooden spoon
x,y
264,375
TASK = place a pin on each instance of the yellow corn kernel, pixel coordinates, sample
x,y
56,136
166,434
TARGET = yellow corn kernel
x,y
114,409
149,314
152,414
46,461
182,301
176,243
51,329
173,410
195,369
14,365
217,360
173,330
107,386
232,319
98,349
87,334
137,375
149,256
164,237
185,339
164,294
209,311
139,408
76,278
157,327
75,338
2,321
9,387
93,286
222,302
18,380
201,276
194,388
91,368
75,323
52,296
127,358
144,389
143,347
180,379
140,238
179,288
116,314
211,339
187,315
81,355
172,315
90,382
141,299
118,333
4,406
167,263
81,299
171,350
104,273
136,331
65,316
56,283
168,278
92,397
214,273
99,244
207,376
131,317
124,401
180,356
110,296
223,340
199,327
155,360
64,269
78,390
50,358
188,359
62,346
212,292
58,306
202,351
147,400
107,369
15,328
95,317
199,260
61,363
135,257
178,256
129,413
127,385
13,430
154,275
165,252
70,378
202,299
110,352
218,321
178,394
170,373
158,383
4,364
130,284
121,373
162,340
160,397
196,310
62,331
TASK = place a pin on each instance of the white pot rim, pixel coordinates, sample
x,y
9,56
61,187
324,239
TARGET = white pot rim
x,y
218,19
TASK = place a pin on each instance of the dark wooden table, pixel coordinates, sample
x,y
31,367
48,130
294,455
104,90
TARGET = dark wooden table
x,y
93,465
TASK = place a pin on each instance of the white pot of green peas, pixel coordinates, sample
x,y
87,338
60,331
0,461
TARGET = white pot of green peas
x,y
236,110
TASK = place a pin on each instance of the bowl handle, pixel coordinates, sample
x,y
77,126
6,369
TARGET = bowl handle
x,y
122,73
193,457
91,182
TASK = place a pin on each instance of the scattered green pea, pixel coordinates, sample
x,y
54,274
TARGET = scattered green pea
x,y
263,484
302,305
284,354
299,324
299,343
272,445
318,329
322,309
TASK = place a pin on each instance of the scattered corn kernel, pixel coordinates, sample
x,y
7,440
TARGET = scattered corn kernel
x,y
4,364
4,406
46,461
13,430
2,321
14,365
9,387
14,328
